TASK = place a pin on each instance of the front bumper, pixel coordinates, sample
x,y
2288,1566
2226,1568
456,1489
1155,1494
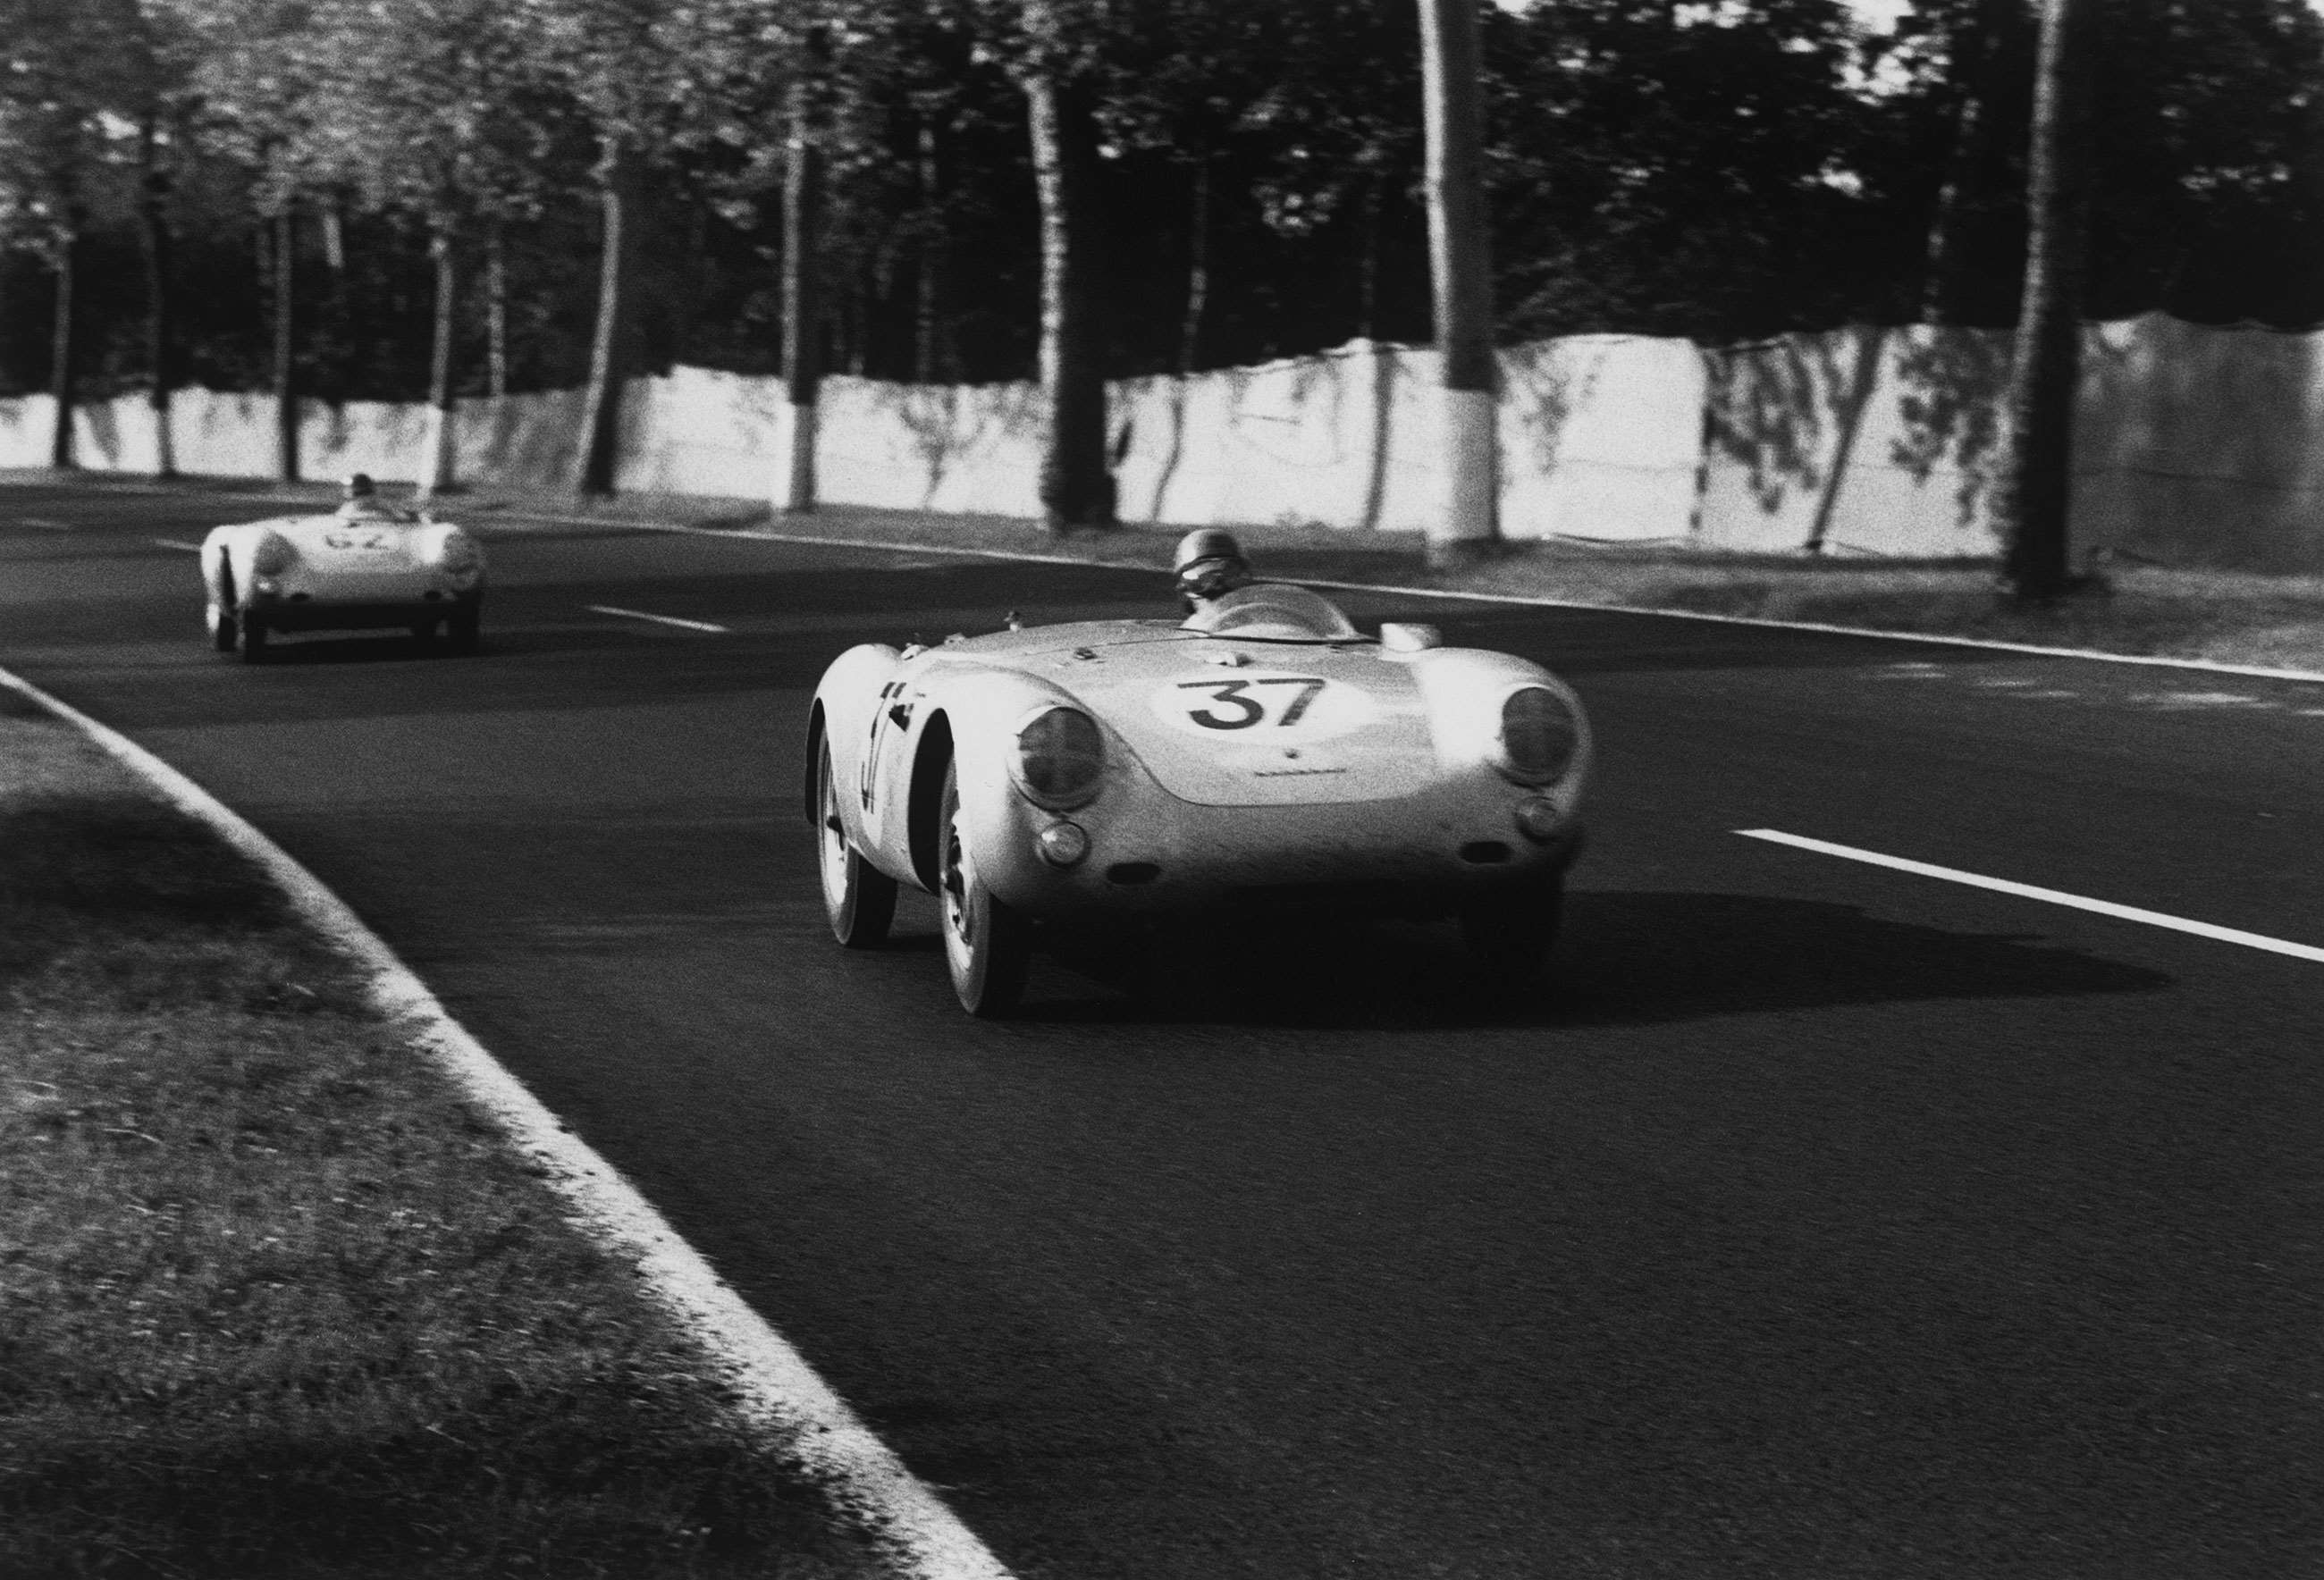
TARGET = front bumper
x,y
1150,852
302,611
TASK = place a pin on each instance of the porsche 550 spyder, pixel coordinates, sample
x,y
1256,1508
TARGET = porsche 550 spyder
x,y
349,571
1262,751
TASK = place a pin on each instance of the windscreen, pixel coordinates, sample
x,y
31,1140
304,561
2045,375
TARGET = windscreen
x,y
1273,611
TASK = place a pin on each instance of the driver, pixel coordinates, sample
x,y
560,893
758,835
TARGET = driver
x,y
363,502
1210,565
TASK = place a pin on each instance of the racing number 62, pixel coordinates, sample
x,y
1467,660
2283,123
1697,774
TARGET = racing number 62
x,y
1249,709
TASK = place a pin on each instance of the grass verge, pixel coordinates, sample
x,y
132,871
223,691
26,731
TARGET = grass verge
x,y
273,1300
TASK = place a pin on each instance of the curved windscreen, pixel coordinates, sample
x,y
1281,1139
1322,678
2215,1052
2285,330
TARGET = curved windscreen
x,y
1272,612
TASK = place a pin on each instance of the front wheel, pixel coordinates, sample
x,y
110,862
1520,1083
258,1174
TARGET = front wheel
x,y
465,626
225,636
858,900
252,634
1510,933
988,946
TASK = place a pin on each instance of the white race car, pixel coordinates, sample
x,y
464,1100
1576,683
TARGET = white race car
x,y
1262,750
364,570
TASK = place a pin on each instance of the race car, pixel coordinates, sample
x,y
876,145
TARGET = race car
x,y
1262,753
354,569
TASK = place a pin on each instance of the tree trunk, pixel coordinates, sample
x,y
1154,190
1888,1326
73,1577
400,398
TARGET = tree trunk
x,y
802,302
496,364
1980,49
1198,268
64,348
2036,487
1077,488
286,345
1368,268
161,355
1462,269
1383,358
613,354
435,470
928,361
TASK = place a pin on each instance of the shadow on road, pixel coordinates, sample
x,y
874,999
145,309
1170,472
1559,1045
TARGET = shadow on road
x,y
1626,958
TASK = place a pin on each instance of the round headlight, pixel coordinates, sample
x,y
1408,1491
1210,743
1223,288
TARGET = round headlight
x,y
456,551
1060,757
273,556
1539,736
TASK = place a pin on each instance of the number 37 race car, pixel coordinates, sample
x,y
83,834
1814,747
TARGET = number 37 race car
x,y
1262,751
367,566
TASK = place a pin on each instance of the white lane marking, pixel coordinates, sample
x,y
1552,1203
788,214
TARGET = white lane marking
x,y
2196,699
668,620
44,524
778,1394
2027,891
177,543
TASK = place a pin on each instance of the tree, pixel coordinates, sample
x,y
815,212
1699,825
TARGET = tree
x,y
2037,483
457,133
626,66
1054,67
262,110
1458,250
53,63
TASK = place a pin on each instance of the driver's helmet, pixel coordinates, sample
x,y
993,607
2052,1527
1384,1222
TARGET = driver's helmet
x,y
363,502
1210,563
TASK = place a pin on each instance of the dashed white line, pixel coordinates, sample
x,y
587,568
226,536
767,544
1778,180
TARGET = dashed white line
x,y
44,524
668,620
2027,891
180,544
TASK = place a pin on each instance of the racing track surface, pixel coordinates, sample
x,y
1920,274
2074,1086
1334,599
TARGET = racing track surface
x,y
1826,1220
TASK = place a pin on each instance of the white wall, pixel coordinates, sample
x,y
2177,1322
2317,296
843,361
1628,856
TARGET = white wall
x,y
2195,444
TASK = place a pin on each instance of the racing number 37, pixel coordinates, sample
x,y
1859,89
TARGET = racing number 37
x,y
1237,705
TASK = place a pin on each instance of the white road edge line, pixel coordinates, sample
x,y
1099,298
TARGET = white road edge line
x,y
174,543
668,620
2053,896
918,1536
1527,600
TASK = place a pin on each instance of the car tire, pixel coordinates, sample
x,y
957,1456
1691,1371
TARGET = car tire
x,y
464,626
226,633
250,637
423,631
1510,933
858,900
988,946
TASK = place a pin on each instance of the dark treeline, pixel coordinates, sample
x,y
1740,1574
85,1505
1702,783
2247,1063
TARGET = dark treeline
x,y
1723,171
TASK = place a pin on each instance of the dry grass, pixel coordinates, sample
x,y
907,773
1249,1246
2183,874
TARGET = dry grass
x,y
273,1300
2222,616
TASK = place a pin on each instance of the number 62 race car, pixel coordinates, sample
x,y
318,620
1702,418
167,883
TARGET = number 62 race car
x,y
366,566
1261,751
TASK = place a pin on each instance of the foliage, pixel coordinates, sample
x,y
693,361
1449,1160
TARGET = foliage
x,y
1720,171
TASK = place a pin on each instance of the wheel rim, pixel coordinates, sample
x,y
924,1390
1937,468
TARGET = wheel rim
x,y
960,936
835,837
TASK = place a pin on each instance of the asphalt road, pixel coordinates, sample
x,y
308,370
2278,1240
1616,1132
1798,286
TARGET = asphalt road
x,y
1825,1219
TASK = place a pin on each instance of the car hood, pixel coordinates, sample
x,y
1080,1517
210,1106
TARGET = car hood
x,y
1226,722
330,544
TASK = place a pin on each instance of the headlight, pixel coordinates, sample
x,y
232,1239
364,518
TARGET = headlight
x,y
456,551
1060,757
273,556
1539,736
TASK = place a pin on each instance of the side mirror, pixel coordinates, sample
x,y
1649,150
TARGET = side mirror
x,y
1399,636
